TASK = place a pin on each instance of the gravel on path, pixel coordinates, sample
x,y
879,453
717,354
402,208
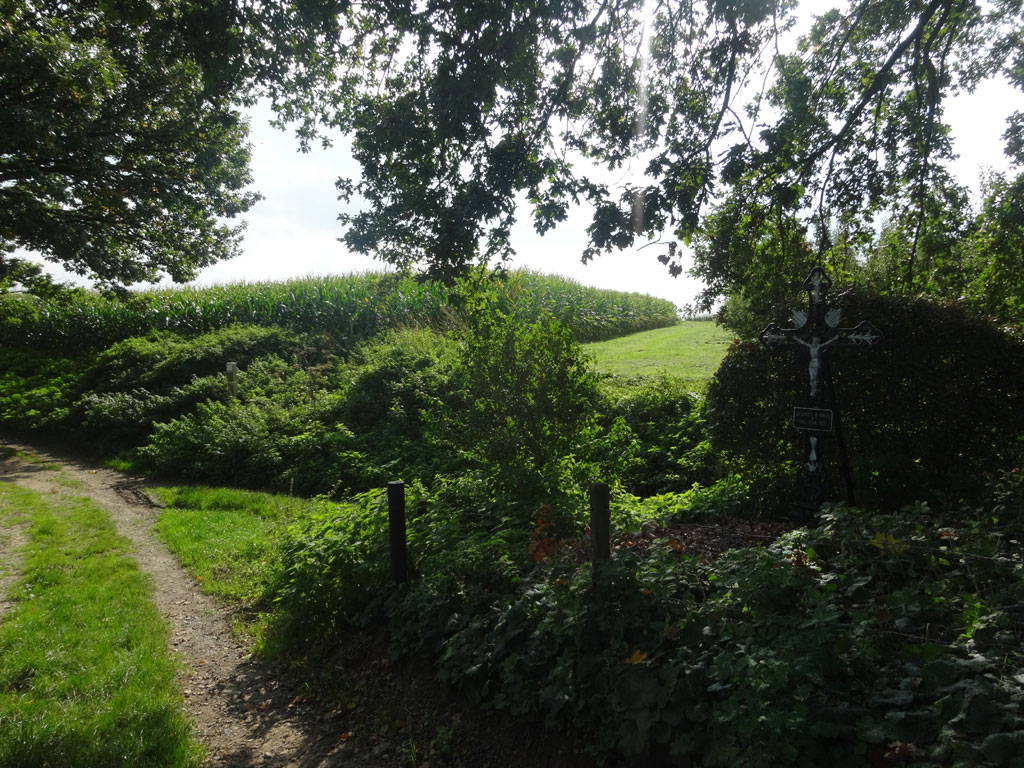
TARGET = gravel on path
x,y
246,712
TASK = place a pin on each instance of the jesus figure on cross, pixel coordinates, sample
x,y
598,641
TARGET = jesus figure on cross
x,y
816,346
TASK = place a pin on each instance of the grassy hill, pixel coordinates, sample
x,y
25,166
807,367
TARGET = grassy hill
x,y
691,351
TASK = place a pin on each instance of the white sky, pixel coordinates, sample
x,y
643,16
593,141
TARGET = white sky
x,y
294,231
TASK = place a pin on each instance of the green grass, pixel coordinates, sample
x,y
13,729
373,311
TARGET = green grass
x,y
691,351
85,677
228,539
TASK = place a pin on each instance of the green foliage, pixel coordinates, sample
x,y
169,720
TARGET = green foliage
x,y
388,384
114,399
925,415
35,388
308,422
23,276
526,402
85,677
995,254
835,645
334,569
846,125
120,157
349,309
162,359
666,423
280,434
325,429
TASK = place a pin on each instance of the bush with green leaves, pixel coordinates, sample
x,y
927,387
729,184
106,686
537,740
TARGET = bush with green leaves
x,y
162,359
387,384
928,414
113,399
282,433
878,633
667,424
525,407
36,389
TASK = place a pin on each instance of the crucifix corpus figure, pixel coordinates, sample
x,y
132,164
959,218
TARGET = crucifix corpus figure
x,y
817,330
816,347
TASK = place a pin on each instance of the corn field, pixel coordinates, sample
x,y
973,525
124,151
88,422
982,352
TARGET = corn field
x,y
349,308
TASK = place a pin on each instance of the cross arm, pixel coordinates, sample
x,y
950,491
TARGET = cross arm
x,y
863,333
772,336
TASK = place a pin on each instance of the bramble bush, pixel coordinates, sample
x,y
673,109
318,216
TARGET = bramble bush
x,y
386,386
666,420
524,408
877,637
281,433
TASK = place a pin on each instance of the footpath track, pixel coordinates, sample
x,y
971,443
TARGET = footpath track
x,y
246,712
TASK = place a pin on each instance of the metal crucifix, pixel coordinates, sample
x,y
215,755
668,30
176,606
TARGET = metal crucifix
x,y
817,330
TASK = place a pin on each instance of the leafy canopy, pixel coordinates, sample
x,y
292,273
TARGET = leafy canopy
x,y
459,110
120,151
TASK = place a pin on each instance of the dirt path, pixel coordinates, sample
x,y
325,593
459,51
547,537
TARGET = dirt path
x,y
245,712
12,539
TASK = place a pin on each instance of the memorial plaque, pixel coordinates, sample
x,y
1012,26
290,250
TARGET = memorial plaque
x,y
813,419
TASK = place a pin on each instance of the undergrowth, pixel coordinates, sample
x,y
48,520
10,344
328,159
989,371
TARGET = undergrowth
x,y
877,637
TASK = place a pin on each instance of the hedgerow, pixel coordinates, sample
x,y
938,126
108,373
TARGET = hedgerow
x,y
928,414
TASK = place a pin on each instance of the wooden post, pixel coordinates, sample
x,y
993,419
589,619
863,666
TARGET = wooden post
x,y
600,523
231,371
396,532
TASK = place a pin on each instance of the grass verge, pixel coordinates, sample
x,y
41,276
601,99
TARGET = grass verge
x,y
691,351
85,678
390,712
227,538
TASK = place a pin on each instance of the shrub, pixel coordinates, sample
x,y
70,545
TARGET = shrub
x,y
875,633
35,389
926,415
333,571
282,433
672,450
387,385
163,359
526,401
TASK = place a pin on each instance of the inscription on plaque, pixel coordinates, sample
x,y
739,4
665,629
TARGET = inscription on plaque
x,y
813,419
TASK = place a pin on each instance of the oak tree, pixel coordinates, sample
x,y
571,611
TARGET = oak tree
x,y
460,111
121,153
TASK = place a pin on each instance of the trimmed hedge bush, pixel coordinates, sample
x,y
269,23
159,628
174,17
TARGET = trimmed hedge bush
x,y
926,415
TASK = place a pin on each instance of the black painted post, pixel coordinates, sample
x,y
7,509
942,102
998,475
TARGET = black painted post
x,y
396,532
600,523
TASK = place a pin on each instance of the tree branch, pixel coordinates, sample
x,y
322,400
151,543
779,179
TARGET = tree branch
x,y
879,82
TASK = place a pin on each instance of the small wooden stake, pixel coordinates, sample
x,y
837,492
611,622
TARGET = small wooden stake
x,y
396,532
231,371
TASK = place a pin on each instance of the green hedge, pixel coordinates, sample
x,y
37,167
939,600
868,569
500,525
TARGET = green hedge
x,y
928,414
